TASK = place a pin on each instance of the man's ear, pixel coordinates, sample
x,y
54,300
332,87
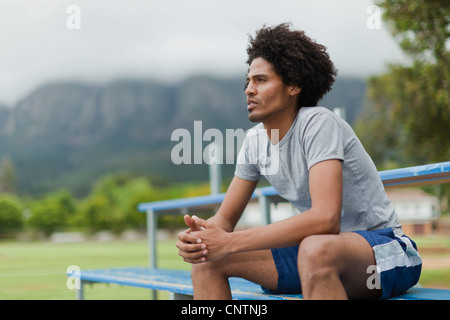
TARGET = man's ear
x,y
295,90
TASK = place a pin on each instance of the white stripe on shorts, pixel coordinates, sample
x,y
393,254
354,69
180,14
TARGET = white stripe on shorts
x,y
391,255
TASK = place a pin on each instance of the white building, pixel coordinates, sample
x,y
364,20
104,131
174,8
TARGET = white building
x,y
417,210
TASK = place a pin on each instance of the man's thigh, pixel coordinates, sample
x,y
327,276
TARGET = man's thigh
x,y
351,254
357,266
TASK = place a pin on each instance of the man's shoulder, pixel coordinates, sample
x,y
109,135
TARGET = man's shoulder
x,y
317,117
306,112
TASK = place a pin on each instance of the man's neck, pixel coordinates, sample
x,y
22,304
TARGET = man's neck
x,y
281,122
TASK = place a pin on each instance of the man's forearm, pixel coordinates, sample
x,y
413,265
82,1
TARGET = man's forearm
x,y
284,233
220,243
236,199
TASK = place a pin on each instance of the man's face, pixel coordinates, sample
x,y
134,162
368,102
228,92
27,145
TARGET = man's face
x,y
267,95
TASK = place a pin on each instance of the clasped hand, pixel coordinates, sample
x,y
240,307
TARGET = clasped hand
x,y
203,241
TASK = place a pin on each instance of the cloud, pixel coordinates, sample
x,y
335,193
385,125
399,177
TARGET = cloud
x,y
170,39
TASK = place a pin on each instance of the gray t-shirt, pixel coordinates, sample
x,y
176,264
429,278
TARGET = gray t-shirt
x,y
317,134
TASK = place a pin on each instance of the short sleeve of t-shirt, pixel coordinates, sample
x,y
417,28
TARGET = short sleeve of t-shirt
x,y
322,138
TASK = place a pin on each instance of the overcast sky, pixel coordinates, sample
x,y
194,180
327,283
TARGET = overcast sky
x,y
171,39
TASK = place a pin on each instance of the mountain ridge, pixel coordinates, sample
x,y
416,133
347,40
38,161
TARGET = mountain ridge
x,y
68,134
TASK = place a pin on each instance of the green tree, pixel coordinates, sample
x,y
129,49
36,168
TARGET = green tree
x,y
96,213
112,205
421,27
7,176
134,192
53,212
409,113
408,116
10,213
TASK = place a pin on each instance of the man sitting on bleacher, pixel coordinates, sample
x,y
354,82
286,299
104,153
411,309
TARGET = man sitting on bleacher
x,y
347,225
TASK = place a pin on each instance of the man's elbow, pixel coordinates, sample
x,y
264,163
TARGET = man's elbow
x,y
335,227
332,223
326,221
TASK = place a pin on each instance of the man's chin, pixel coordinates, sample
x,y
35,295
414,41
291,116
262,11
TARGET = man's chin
x,y
255,118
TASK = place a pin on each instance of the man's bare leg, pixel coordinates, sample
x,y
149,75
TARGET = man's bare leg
x,y
335,267
210,279
330,267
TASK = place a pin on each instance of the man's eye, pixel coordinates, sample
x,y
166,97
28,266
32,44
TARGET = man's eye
x,y
261,79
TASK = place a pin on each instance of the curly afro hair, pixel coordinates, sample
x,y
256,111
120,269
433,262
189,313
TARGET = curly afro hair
x,y
299,60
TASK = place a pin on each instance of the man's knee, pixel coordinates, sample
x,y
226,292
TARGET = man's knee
x,y
207,270
196,269
317,252
209,281
200,269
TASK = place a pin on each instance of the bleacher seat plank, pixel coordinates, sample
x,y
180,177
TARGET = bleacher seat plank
x,y
429,174
175,281
179,282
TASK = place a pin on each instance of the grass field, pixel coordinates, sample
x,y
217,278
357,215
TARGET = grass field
x,y
37,270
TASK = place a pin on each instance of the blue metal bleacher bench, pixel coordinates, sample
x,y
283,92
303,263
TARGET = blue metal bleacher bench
x,y
178,282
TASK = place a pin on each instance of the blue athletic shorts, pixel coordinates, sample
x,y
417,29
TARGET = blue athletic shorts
x,y
398,263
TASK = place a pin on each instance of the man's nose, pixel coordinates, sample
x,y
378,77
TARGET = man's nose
x,y
250,90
